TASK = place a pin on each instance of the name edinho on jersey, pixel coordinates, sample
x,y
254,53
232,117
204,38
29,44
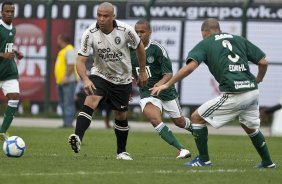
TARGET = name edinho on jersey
x,y
110,51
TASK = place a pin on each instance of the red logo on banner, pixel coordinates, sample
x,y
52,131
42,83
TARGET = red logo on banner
x,y
30,40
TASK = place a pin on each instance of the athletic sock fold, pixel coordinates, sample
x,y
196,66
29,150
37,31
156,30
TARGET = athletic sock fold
x,y
83,121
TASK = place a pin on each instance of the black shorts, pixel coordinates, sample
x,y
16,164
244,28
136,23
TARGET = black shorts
x,y
116,96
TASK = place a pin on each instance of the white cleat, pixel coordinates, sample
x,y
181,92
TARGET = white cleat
x,y
124,156
183,153
75,143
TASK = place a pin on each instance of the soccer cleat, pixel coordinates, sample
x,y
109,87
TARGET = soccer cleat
x,y
183,153
4,136
124,156
75,143
271,166
198,163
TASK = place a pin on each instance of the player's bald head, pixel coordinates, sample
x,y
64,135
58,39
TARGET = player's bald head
x,y
210,26
106,6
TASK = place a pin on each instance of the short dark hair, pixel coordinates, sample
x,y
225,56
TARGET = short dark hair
x,y
65,37
144,21
6,3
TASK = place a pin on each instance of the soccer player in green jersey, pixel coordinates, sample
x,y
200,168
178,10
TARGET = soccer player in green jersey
x,y
9,73
159,71
227,57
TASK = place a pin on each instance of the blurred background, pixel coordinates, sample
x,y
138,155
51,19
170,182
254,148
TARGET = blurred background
x,y
175,24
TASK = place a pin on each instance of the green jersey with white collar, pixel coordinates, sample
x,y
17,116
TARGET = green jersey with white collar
x,y
157,64
8,67
227,58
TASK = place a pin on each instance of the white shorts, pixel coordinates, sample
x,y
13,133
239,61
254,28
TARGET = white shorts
x,y
10,86
172,107
227,107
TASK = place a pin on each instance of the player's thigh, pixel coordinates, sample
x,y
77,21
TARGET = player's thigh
x,y
172,108
219,110
153,113
249,116
10,86
117,96
92,101
150,100
120,115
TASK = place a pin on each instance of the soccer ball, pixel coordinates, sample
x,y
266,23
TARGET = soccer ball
x,y
14,146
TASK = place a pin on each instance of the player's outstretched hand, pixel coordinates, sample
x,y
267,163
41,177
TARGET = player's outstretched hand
x,y
155,91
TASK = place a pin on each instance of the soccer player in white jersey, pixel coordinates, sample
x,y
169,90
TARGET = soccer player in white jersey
x,y
111,74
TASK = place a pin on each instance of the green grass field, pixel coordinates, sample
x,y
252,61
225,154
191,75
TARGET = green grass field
x,y
49,160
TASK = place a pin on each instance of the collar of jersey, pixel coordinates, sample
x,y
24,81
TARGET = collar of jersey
x,y
6,25
114,24
150,41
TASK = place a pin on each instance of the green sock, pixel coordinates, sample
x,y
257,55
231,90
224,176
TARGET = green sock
x,y
200,134
259,142
8,118
167,135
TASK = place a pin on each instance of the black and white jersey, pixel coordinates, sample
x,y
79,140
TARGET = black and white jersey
x,y
110,51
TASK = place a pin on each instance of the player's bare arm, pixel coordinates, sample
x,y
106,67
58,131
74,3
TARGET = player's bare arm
x,y
183,72
166,77
81,70
7,55
262,68
143,78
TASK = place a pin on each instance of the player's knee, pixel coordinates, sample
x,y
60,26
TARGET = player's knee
x,y
180,122
249,131
13,103
155,121
196,118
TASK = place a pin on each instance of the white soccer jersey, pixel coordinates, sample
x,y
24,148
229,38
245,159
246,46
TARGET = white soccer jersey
x,y
110,51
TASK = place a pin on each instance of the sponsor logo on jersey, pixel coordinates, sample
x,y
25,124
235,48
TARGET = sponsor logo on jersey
x,y
150,59
243,84
9,47
132,38
121,28
117,40
85,44
93,30
108,55
111,77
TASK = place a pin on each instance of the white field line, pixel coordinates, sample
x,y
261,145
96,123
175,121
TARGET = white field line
x,y
125,172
